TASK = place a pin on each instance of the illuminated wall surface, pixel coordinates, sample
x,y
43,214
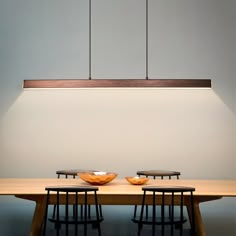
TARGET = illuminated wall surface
x,y
120,130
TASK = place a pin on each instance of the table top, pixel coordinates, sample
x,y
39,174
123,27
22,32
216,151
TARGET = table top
x,y
17,186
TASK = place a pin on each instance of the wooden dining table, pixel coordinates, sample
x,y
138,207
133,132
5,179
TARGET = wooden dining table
x,y
117,192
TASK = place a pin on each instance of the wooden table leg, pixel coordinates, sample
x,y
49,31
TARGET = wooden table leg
x,y
37,222
199,226
39,213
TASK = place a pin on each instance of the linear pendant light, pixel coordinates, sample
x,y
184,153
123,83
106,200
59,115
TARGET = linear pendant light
x,y
117,83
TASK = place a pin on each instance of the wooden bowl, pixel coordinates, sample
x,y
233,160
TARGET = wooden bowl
x,y
137,180
97,177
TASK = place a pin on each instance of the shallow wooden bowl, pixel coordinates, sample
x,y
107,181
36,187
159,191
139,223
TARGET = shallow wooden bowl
x,y
137,180
97,177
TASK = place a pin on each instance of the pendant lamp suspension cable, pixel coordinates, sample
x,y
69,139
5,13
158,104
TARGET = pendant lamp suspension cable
x,y
146,39
90,39
90,48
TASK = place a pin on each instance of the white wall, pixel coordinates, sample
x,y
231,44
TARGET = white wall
x,y
113,129
120,130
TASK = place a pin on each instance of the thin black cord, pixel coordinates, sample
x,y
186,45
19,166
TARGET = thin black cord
x,y
146,39
90,54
